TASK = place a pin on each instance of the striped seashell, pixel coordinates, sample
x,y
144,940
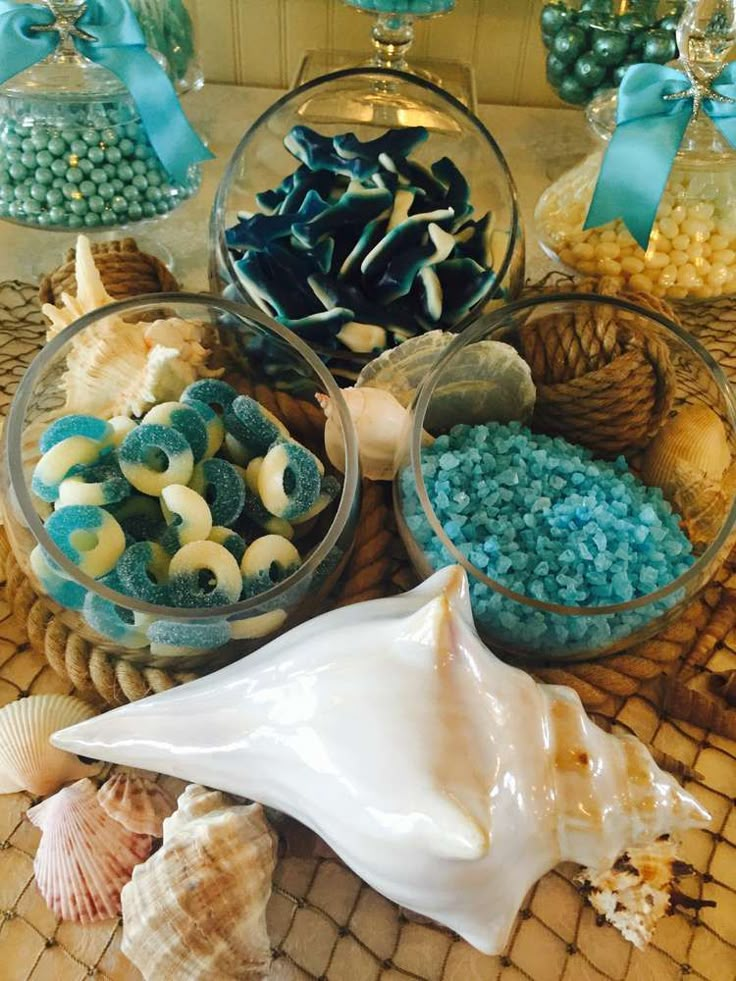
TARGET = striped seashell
x,y
28,761
196,911
85,857
138,803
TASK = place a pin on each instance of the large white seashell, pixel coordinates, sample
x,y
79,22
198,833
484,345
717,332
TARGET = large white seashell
x,y
27,760
445,778
85,857
117,368
196,911
138,803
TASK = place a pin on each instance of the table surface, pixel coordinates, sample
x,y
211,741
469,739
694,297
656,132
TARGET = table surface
x,y
539,144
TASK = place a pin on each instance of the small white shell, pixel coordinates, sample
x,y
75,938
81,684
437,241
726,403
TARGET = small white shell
x,y
85,857
196,911
138,803
27,760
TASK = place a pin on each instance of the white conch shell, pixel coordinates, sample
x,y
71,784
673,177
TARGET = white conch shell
x,y
27,760
196,911
445,778
117,368
138,803
85,857
380,422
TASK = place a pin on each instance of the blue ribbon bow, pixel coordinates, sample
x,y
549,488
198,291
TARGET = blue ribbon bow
x,y
119,46
648,134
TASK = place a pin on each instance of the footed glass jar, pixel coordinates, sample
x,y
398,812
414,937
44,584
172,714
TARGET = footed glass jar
x,y
169,30
691,252
73,150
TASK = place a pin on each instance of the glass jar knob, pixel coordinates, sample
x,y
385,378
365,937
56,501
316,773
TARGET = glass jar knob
x,y
705,36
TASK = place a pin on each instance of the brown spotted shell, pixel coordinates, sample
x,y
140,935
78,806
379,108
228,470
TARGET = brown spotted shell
x,y
197,908
84,858
138,803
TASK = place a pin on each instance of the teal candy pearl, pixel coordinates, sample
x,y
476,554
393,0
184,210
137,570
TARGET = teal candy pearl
x,y
82,175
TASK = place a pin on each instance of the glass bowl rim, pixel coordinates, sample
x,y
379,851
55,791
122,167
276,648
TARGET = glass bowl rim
x,y
240,610
223,255
485,328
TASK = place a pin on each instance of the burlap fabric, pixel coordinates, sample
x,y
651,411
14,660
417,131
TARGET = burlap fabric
x,y
325,924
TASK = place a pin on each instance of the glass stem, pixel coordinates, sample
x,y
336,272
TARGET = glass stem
x,y
392,35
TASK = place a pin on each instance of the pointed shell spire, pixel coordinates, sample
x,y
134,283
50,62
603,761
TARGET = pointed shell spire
x,y
492,780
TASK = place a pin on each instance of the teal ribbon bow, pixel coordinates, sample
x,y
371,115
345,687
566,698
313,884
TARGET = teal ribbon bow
x,y
108,34
648,134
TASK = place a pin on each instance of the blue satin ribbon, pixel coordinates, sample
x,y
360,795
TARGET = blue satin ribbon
x,y
120,47
648,134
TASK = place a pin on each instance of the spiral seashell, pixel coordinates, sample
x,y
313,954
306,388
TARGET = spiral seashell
x,y
138,803
27,760
85,857
196,911
448,780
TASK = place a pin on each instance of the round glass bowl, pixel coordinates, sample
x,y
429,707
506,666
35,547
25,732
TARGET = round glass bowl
x,y
300,274
565,562
75,155
237,336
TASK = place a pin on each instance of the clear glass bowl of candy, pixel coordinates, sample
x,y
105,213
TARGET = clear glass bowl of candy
x,y
157,487
357,237
74,153
591,43
591,507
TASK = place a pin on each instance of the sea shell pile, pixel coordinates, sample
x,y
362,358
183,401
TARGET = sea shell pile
x,y
196,911
119,368
27,760
493,779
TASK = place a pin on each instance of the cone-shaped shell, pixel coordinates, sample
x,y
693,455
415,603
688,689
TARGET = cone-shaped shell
x,y
196,911
445,778
138,803
84,858
27,759
695,442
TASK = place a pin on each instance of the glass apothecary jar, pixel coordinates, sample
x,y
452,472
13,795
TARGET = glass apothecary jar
x,y
691,251
73,150
169,30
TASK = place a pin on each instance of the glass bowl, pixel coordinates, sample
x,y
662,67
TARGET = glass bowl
x,y
140,630
381,100
518,601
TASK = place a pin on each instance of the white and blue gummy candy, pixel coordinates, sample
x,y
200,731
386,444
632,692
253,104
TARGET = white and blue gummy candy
x,y
289,480
113,620
254,427
204,574
152,457
88,536
222,487
140,518
187,515
101,484
229,539
213,424
186,420
213,392
77,425
143,572
62,460
177,637
267,561
65,592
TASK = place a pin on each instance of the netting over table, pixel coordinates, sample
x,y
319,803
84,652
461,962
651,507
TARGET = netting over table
x,y
324,922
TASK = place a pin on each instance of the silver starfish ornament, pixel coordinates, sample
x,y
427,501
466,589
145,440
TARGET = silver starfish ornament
x,y
65,25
